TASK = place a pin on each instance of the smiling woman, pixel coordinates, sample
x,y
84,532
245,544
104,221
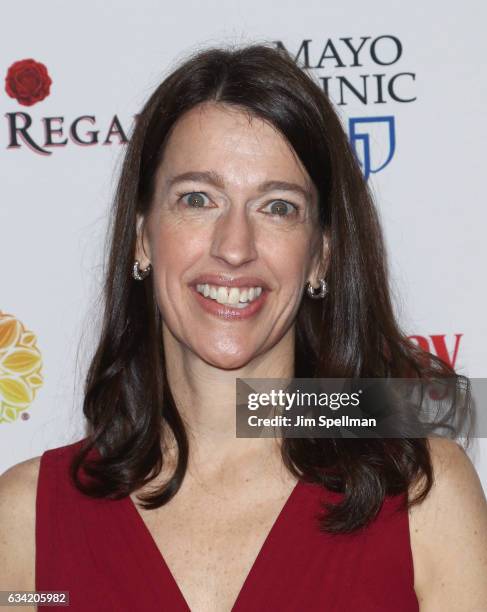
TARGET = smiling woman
x,y
244,244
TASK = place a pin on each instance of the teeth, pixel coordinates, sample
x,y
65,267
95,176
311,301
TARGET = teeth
x,y
238,297
222,295
234,295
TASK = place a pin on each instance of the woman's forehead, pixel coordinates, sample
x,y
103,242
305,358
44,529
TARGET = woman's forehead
x,y
220,141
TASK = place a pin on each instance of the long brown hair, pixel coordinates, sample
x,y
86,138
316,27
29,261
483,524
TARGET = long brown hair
x,y
352,332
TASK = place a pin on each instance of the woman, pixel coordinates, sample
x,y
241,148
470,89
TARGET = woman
x,y
240,203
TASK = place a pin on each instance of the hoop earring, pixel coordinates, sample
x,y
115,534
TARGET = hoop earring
x,y
322,290
139,274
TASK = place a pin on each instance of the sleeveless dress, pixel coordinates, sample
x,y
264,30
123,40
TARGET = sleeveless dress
x,y
102,553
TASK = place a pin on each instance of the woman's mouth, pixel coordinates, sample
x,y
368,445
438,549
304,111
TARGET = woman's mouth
x,y
230,302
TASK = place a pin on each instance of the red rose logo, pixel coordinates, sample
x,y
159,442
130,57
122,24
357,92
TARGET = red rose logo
x,y
28,82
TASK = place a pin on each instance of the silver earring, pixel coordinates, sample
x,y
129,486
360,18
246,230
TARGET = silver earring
x,y
139,274
321,293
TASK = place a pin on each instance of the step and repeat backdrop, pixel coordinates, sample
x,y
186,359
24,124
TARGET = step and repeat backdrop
x,y
408,81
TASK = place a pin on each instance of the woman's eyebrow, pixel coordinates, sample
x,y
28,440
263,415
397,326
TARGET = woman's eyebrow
x,y
213,178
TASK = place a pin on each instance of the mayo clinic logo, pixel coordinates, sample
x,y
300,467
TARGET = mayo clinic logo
x,y
369,71
373,140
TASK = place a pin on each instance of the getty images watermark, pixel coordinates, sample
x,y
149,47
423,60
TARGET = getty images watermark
x,y
361,407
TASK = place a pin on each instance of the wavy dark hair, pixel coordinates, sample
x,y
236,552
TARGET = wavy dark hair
x,y
352,332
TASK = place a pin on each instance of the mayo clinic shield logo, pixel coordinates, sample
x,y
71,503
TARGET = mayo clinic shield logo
x,y
374,141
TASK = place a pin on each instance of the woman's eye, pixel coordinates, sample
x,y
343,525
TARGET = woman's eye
x,y
281,208
196,199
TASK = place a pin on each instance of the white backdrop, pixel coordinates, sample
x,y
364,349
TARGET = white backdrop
x,y
418,110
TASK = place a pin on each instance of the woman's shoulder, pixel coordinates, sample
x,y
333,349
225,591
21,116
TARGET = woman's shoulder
x,y
21,478
449,532
18,486
18,495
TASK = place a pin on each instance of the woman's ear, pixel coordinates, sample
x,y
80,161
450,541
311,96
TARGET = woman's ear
x,y
321,258
142,251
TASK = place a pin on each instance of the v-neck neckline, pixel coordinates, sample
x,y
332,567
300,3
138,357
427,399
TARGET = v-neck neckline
x,y
160,563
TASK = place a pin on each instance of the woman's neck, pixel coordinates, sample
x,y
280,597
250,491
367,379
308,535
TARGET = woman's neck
x,y
206,399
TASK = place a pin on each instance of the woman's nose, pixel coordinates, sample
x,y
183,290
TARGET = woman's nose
x,y
233,238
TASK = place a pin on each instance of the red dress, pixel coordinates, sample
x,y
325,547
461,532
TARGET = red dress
x,y
103,554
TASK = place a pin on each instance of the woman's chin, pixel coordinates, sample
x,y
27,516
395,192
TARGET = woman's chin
x,y
228,361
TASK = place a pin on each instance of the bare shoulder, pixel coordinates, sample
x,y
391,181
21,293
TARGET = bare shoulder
x,y
18,492
449,534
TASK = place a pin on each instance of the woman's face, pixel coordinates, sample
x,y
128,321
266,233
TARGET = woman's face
x,y
220,218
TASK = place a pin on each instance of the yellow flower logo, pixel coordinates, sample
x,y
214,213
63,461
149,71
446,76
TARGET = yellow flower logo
x,y
20,365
